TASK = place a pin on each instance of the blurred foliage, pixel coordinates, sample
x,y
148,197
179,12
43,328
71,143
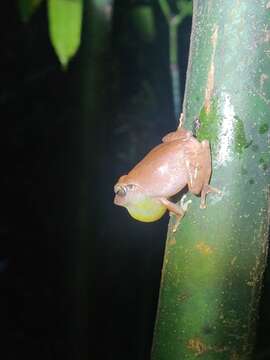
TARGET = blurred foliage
x,y
175,13
178,12
27,8
144,21
65,23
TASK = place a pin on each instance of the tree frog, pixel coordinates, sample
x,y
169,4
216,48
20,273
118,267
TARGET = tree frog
x,y
178,161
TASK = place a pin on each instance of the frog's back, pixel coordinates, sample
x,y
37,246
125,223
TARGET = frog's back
x,y
162,172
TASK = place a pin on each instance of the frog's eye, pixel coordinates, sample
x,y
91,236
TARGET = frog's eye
x,y
130,186
120,190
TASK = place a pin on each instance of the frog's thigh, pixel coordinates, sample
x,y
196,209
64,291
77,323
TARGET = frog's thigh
x,y
174,208
199,168
179,211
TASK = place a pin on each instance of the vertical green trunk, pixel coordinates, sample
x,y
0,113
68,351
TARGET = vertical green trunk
x,y
214,263
94,76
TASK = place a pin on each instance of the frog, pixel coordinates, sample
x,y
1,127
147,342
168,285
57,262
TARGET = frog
x,y
179,161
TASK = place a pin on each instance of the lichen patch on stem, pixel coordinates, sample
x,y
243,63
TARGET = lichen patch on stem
x,y
197,346
203,248
172,241
263,78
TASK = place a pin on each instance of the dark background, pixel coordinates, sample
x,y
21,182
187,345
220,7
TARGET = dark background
x,y
80,278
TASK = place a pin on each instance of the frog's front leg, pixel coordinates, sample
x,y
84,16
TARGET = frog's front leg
x,y
178,211
206,190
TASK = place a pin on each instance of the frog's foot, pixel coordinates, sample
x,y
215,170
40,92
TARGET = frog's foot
x,y
178,211
206,190
184,205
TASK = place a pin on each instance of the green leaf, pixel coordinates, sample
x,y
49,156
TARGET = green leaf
x,y
144,22
27,8
65,23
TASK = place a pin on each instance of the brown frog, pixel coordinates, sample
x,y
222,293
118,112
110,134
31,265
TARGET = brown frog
x,y
178,161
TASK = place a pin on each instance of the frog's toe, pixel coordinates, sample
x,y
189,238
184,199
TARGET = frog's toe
x,y
206,190
203,205
185,204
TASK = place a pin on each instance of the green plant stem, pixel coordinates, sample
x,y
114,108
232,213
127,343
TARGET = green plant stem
x,y
174,21
165,9
174,68
214,263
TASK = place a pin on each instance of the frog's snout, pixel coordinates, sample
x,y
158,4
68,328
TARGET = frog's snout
x,y
120,193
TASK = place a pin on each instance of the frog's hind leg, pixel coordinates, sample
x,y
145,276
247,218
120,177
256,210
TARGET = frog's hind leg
x,y
178,211
199,172
206,188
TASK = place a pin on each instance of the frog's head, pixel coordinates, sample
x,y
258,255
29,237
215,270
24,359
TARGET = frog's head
x,y
139,204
